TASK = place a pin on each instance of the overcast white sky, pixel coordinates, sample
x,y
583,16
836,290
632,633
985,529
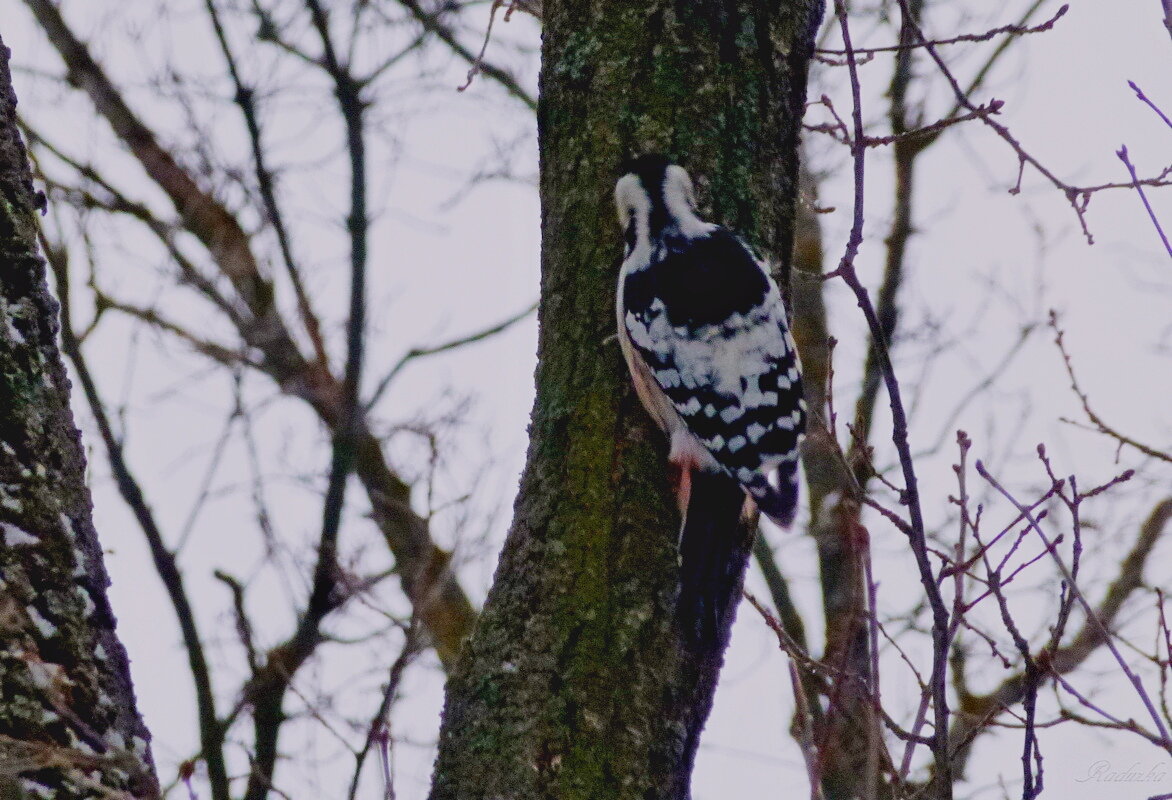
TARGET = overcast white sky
x,y
982,263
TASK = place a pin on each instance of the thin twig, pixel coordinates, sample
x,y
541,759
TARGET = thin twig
x,y
804,735
431,22
1122,153
977,390
205,486
1078,196
211,731
1012,30
1086,403
243,625
1143,97
874,740
322,598
911,498
445,608
380,723
351,106
475,68
245,99
443,347
1092,616
217,352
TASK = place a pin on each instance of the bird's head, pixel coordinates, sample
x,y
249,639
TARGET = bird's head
x,y
652,195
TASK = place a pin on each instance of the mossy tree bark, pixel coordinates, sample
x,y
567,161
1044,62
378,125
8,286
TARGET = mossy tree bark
x,y
69,727
574,684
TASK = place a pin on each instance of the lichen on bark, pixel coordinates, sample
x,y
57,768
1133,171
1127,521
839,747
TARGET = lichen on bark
x,y
574,684
68,723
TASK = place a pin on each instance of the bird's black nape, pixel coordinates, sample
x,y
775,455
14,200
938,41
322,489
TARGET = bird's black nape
x,y
649,167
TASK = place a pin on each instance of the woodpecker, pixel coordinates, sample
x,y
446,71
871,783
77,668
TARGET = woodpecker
x,y
705,336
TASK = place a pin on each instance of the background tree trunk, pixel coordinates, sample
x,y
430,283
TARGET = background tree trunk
x,y
68,723
574,684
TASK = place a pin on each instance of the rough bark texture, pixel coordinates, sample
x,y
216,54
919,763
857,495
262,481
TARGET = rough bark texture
x,y
68,722
574,684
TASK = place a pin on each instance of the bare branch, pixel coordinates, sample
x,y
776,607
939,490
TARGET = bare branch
x,y
805,726
1126,582
1122,153
445,609
846,270
217,352
443,347
268,704
379,730
445,34
119,203
1092,617
246,100
1095,419
211,730
243,625
979,388
1144,98
1078,196
203,215
979,712
1019,29
476,62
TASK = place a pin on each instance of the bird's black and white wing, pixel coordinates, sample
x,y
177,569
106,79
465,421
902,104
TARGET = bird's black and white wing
x,y
709,327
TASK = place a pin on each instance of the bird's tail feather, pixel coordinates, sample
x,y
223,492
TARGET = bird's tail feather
x,y
713,552
779,503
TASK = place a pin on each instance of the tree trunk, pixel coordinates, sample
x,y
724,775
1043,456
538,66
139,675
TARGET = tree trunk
x,y
68,723
575,683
